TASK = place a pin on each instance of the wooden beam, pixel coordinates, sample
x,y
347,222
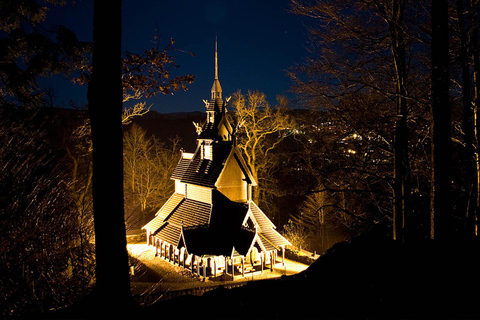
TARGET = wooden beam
x,y
261,260
243,266
271,261
226,265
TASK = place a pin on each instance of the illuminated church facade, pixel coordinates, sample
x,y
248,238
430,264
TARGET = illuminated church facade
x,y
210,225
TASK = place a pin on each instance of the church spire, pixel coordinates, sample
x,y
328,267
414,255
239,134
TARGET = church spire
x,y
216,59
216,88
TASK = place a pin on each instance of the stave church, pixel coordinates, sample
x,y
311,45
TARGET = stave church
x,y
210,225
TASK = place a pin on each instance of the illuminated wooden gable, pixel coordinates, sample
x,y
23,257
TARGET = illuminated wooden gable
x,y
211,218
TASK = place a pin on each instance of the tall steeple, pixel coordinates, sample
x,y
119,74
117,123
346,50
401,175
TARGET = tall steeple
x,y
217,127
216,88
216,58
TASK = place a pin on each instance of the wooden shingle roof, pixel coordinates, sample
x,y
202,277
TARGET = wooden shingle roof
x,y
170,233
260,218
154,224
205,172
181,167
209,131
171,204
217,241
178,211
269,237
164,211
190,213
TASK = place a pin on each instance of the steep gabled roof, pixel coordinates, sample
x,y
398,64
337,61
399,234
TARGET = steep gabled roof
x,y
269,237
187,213
154,224
170,233
272,238
190,213
209,131
164,211
215,241
225,232
260,218
227,214
205,172
181,168
171,204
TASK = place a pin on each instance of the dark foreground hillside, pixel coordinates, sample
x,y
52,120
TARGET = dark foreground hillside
x,y
369,276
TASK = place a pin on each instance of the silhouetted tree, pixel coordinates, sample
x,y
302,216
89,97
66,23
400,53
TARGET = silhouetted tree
x,y
30,51
474,219
105,98
464,38
441,205
371,49
394,13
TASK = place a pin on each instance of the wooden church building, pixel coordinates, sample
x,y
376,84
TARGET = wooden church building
x,y
210,225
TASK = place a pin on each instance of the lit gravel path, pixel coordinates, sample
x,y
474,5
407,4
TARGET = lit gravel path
x,y
154,274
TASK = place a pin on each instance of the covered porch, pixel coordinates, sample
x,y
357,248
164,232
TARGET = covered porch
x,y
214,266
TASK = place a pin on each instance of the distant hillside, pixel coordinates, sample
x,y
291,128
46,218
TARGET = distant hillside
x,y
166,126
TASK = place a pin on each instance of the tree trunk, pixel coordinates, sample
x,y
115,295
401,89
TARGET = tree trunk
x,y
440,206
473,220
105,111
470,161
401,187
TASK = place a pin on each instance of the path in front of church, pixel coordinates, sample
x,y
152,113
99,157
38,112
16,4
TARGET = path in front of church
x,y
154,274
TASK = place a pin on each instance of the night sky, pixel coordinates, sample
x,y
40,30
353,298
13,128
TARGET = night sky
x,y
257,42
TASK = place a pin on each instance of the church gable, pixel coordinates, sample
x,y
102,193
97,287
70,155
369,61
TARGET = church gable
x,y
225,131
232,174
233,182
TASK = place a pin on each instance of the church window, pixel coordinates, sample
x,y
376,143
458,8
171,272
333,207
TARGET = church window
x,y
207,150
